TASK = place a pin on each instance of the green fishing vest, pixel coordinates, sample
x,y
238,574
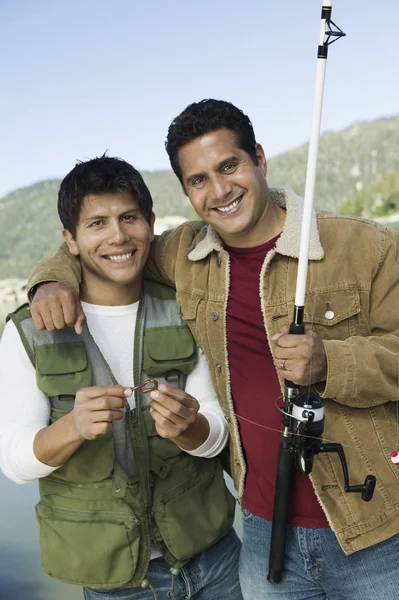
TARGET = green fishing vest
x,y
100,512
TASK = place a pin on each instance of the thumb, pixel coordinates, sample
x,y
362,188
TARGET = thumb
x,y
283,331
80,321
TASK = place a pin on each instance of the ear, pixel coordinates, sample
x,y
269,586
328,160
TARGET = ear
x,y
70,241
260,155
152,221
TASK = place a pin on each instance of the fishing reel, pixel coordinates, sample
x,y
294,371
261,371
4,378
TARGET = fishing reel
x,y
307,426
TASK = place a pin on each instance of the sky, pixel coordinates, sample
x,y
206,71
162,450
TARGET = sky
x,y
85,76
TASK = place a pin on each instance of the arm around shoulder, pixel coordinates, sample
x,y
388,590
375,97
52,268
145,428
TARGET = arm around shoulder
x,y
63,267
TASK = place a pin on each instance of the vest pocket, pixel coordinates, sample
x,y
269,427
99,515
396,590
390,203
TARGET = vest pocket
x,y
198,514
88,543
169,348
62,369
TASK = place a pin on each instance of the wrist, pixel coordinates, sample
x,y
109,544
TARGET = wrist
x,y
195,435
74,433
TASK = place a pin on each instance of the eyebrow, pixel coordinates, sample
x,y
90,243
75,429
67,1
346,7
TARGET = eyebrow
x,y
219,167
127,212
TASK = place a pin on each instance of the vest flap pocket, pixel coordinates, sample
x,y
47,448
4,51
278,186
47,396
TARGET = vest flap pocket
x,y
62,369
330,308
88,543
168,348
195,513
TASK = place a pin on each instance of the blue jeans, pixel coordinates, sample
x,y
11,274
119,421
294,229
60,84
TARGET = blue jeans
x,y
315,566
212,575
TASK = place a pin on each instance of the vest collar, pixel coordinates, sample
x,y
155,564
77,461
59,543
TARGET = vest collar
x,y
289,240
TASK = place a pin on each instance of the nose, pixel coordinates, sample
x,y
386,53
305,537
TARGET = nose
x,y
118,234
220,188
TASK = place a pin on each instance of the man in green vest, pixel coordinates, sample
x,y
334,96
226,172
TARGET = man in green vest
x,y
133,503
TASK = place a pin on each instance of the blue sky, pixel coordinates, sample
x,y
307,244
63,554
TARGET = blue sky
x,y
83,76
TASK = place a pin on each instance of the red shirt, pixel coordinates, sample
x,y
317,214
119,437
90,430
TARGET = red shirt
x,y
255,388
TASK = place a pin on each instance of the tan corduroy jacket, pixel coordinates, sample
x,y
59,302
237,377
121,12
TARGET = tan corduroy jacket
x,y
352,303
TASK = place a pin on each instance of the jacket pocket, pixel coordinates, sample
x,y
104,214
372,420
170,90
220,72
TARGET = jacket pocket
x,y
88,543
189,311
335,314
197,514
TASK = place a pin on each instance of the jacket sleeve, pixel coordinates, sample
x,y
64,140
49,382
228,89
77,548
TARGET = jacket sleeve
x,y
63,267
169,250
364,371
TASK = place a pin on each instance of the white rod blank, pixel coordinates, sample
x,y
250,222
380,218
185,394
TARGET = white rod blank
x,y
311,170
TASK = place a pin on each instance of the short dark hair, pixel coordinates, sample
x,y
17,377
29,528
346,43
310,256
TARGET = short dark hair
x,y
100,175
203,117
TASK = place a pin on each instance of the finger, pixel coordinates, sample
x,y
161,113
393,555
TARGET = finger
x,y
290,341
103,403
168,427
37,319
287,365
99,391
106,416
167,392
96,429
80,321
283,331
57,315
163,411
47,319
69,307
280,352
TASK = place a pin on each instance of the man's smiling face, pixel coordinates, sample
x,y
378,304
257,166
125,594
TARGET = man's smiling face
x,y
113,241
226,188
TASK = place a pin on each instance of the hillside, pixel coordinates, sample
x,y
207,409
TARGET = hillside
x,y
349,161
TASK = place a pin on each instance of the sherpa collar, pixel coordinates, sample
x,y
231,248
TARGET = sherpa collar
x,y
289,240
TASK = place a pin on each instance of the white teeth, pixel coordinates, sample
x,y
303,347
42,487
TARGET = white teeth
x,y
119,257
229,207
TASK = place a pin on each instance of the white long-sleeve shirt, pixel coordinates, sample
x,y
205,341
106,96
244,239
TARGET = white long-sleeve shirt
x,y
25,410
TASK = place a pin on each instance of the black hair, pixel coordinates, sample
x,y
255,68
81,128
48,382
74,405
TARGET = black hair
x,y
101,175
203,117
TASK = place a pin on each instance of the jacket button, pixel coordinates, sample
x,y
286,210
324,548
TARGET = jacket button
x,y
162,468
218,260
117,488
219,368
330,314
214,316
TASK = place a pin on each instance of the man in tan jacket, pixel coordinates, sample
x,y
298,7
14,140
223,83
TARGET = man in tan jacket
x,y
235,275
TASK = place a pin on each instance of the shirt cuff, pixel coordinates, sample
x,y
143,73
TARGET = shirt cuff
x,y
20,463
217,438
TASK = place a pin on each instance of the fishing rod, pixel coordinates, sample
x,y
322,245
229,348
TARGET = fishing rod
x,y
303,413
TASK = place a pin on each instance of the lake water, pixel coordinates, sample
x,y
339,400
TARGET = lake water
x,y
21,575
